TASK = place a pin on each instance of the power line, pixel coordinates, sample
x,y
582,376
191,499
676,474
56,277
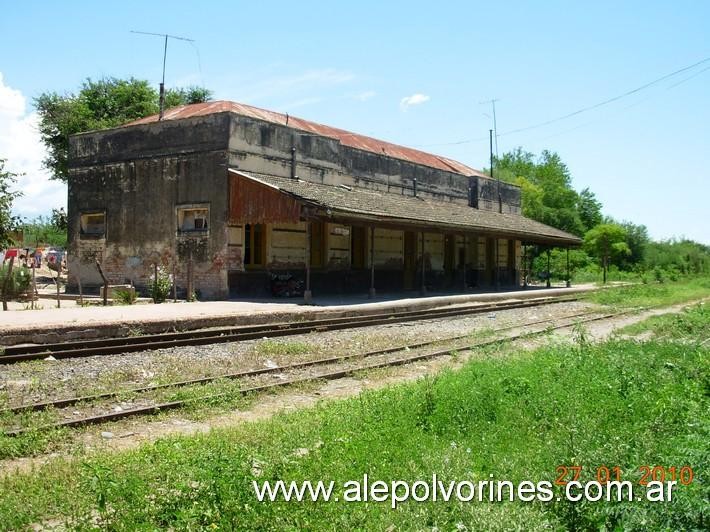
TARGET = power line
x,y
588,108
608,101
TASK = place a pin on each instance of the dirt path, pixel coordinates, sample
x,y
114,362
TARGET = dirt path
x,y
131,433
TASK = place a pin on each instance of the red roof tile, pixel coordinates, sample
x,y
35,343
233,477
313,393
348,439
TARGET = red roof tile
x,y
346,138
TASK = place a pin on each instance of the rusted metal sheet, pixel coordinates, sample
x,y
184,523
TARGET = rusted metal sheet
x,y
255,203
346,138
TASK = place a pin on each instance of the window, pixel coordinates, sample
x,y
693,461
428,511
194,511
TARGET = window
x,y
93,223
254,245
193,218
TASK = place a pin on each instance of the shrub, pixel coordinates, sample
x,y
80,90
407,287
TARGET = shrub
x,y
160,287
125,296
19,281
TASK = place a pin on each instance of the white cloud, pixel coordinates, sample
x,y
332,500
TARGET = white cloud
x,y
364,96
415,99
20,144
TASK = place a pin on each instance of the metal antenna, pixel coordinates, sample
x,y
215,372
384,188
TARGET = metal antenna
x,y
165,55
493,101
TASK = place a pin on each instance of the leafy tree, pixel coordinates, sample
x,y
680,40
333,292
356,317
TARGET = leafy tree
x,y
8,223
546,187
108,102
590,209
59,219
686,256
637,240
606,242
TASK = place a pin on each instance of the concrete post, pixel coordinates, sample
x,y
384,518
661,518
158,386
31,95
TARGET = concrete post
x,y
307,295
372,263
423,287
465,254
496,269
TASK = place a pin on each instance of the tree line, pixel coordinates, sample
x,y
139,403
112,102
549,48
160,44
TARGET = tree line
x,y
622,247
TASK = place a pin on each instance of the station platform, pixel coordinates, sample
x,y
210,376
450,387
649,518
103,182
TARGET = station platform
x,y
83,322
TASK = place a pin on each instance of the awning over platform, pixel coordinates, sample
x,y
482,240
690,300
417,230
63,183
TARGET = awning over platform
x,y
357,205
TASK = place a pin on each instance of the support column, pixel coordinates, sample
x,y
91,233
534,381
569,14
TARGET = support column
x,y
465,255
496,269
423,287
307,295
547,284
372,293
569,279
526,272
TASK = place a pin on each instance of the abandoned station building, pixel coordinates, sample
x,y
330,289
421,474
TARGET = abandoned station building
x,y
243,202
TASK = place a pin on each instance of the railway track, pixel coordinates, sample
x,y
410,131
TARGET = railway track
x,y
338,371
111,346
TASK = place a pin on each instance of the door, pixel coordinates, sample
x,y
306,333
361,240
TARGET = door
x,y
358,248
410,259
318,244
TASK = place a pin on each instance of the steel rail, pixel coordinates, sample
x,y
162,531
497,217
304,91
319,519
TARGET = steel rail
x,y
13,354
156,408
62,403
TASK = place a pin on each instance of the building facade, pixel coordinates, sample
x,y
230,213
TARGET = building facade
x,y
241,202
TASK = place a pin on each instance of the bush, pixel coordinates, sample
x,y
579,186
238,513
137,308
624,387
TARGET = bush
x,y
19,281
160,287
125,296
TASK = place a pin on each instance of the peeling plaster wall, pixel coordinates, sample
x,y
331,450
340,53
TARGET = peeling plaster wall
x,y
138,176
263,147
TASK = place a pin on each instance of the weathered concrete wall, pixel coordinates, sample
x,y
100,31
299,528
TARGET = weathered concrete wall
x,y
262,147
138,177
488,190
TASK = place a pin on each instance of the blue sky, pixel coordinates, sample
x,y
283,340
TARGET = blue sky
x,y
354,64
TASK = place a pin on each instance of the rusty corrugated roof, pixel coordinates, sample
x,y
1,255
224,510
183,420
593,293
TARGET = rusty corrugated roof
x,y
396,208
346,138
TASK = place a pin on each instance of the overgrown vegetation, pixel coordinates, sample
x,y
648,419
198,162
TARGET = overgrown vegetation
x,y
612,249
620,403
125,296
656,294
18,283
160,284
691,324
46,230
8,222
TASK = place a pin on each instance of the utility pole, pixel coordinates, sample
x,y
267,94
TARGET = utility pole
x,y
165,55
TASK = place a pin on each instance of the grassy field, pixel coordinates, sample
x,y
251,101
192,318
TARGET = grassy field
x,y
691,324
621,403
652,294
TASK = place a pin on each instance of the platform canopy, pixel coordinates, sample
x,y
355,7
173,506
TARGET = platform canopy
x,y
262,198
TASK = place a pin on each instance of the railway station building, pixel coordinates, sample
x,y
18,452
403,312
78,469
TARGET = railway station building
x,y
240,202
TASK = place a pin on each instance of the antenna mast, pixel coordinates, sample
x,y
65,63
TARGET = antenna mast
x,y
165,55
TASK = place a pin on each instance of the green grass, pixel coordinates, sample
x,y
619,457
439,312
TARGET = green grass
x,y
691,324
646,295
282,348
620,403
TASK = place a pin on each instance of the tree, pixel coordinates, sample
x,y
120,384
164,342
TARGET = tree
x,y
8,222
589,208
59,219
606,242
637,240
546,185
108,102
